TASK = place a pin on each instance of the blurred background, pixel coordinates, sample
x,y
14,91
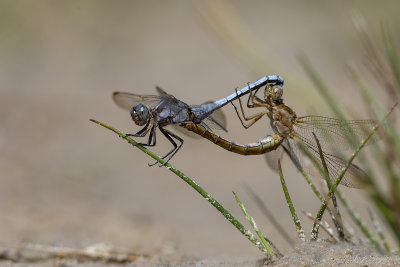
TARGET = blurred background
x,y
66,181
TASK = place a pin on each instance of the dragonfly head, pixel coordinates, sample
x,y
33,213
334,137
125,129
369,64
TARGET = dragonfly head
x,y
140,114
275,92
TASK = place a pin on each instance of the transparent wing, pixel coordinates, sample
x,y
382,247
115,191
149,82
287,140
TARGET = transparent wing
x,y
342,134
129,100
217,120
162,93
272,158
352,178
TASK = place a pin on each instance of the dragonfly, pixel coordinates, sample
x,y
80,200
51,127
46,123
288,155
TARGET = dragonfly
x,y
291,133
158,111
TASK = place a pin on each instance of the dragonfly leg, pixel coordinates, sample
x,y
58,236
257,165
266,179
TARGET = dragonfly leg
x,y
142,132
173,151
251,97
255,117
253,104
169,134
152,137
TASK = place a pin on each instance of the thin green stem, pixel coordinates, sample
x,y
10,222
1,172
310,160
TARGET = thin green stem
x,y
341,175
254,225
253,239
308,180
296,220
261,204
336,218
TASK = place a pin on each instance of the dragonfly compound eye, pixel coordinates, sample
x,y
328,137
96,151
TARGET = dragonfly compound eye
x,y
276,92
140,114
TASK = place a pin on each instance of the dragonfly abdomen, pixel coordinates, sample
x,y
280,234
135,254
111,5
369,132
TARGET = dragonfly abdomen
x,y
267,144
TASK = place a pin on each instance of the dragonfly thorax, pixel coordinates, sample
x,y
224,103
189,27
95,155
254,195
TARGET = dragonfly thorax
x,y
283,118
140,114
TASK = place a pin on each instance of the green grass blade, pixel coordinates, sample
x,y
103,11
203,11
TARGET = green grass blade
x,y
253,239
296,220
254,225
341,174
264,209
304,174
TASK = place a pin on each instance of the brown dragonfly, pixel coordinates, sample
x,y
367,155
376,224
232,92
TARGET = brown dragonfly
x,y
290,131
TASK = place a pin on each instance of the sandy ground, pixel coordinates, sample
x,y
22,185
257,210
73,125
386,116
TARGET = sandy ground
x,y
319,253
69,183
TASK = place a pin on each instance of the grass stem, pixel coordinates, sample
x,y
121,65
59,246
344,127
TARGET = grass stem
x,y
195,186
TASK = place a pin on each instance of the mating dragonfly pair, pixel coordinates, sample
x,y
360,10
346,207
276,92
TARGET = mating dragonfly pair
x,y
159,111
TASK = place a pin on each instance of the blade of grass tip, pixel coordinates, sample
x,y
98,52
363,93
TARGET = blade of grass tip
x,y
296,220
341,174
131,141
336,218
269,215
195,186
378,230
254,225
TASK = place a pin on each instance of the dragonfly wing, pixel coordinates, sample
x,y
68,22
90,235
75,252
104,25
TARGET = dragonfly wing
x,y
129,100
353,176
162,93
272,158
343,134
292,150
217,120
